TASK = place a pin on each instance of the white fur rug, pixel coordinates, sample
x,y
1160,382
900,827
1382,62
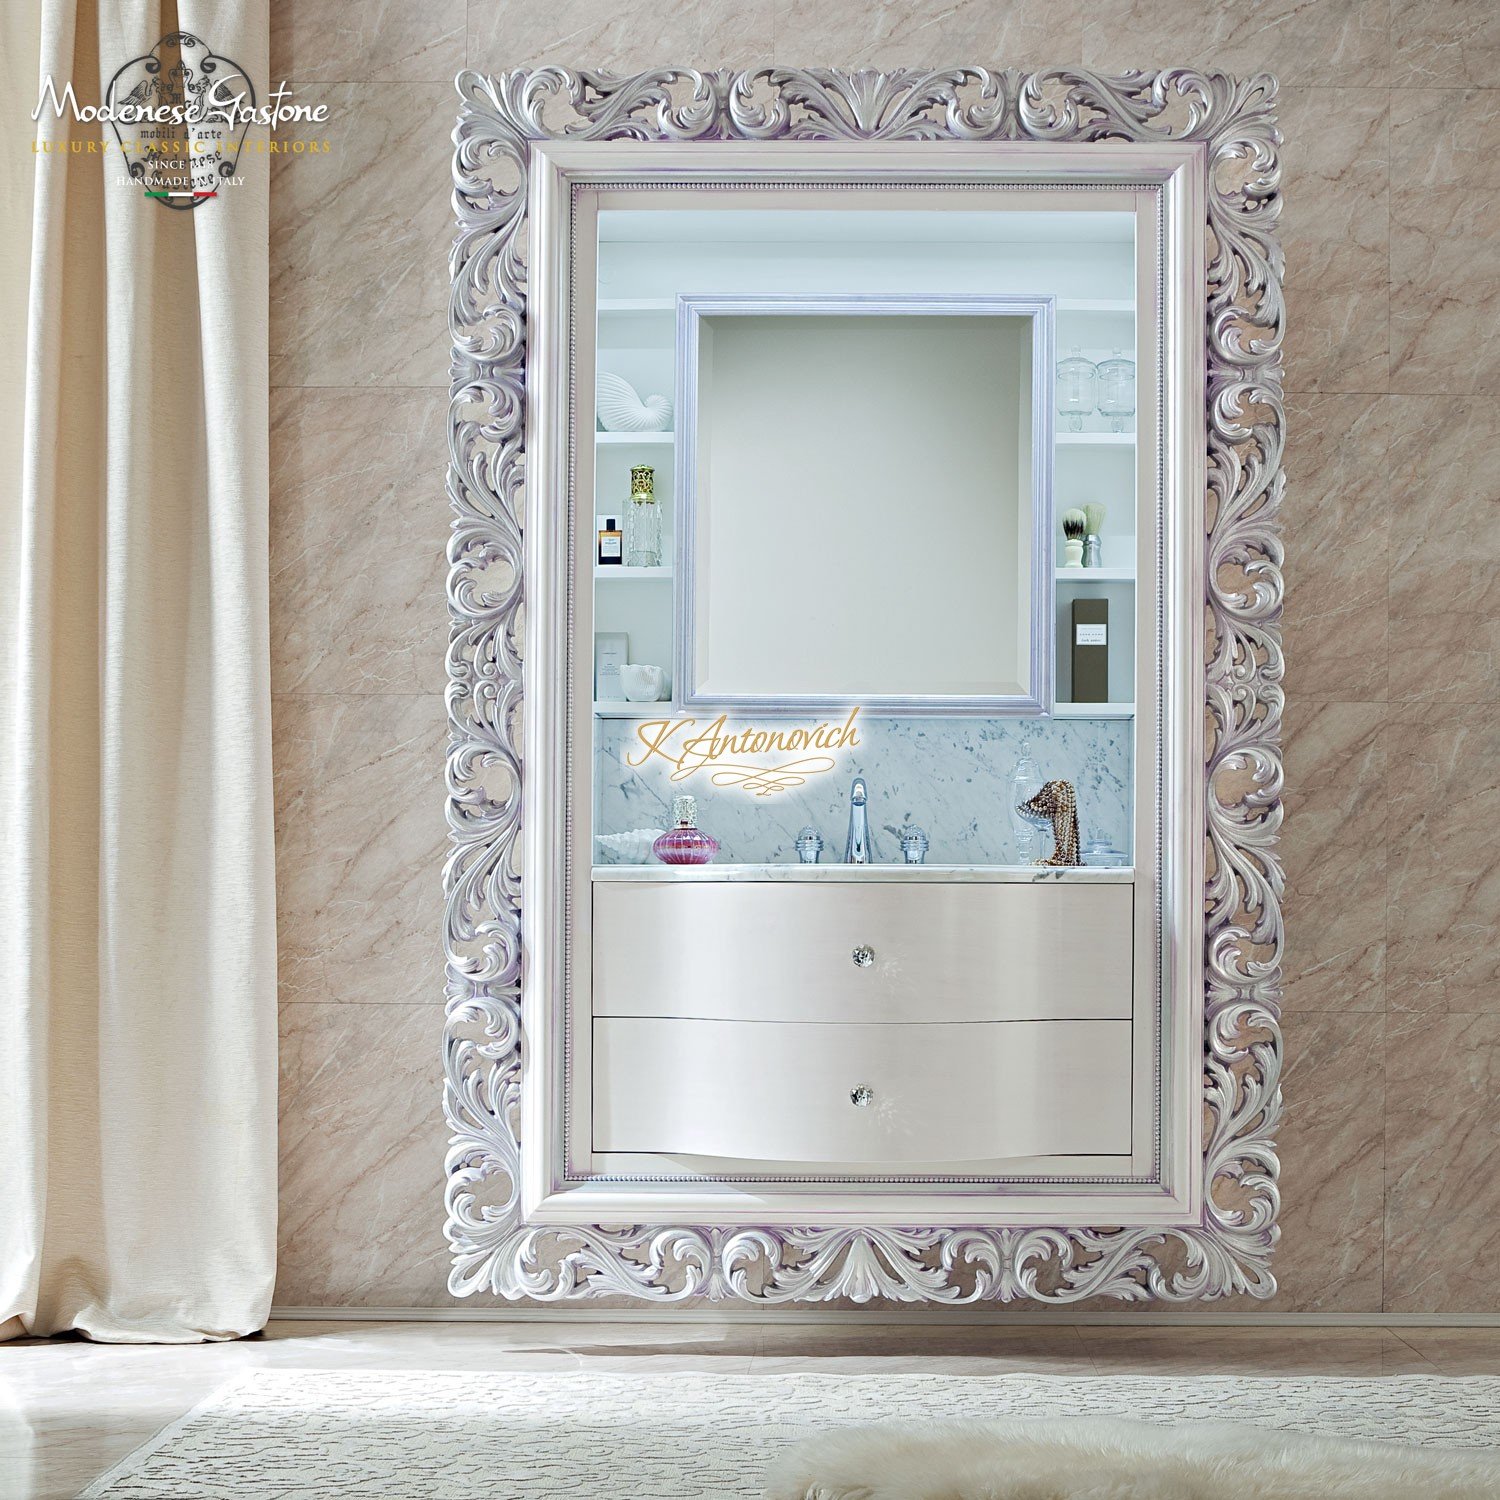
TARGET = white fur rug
x,y
1107,1458
435,1435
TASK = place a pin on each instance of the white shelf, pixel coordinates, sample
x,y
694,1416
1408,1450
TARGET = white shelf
x,y
620,708
618,573
1096,439
1094,305
1093,710
1096,575
637,304
633,439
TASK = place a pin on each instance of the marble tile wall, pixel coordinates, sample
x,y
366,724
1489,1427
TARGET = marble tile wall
x,y
949,777
1392,112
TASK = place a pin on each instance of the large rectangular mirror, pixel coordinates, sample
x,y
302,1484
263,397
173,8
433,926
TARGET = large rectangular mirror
x,y
864,502
770,425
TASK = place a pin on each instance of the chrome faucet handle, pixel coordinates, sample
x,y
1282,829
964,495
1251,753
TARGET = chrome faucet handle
x,y
809,845
914,845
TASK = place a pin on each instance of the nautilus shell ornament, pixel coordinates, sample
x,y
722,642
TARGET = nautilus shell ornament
x,y
621,410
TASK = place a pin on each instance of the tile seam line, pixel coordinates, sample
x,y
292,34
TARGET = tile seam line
x,y
738,1313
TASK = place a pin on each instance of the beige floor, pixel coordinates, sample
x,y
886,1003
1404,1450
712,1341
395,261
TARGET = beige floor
x,y
69,1409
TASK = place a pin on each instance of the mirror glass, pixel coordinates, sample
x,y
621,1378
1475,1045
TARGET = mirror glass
x,y
814,481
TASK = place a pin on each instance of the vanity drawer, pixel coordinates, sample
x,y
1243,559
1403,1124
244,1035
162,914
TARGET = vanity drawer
x,y
770,1092
759,951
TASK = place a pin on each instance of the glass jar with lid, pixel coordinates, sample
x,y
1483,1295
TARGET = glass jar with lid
x,y
1076,389
1116,377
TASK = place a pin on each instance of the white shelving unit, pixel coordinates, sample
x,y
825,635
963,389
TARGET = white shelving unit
x,y
1090,466
1096,575
621,574
1093,710
637,341
620,708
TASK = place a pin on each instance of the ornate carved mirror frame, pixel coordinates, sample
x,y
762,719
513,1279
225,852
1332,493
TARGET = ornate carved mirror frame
x,y
1032,694
1210,142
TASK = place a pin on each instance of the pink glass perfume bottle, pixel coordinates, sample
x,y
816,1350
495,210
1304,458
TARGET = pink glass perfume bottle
x,y
685,843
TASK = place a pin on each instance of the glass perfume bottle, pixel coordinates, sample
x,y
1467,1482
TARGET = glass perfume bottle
x,y
1025,783
1076,381
1117,391
685,843
644,550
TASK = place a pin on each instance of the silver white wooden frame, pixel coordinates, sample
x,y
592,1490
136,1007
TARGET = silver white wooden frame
x,y
1211,142
1041,313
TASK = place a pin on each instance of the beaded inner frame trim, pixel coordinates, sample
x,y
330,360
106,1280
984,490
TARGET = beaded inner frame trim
x,y
1228,1250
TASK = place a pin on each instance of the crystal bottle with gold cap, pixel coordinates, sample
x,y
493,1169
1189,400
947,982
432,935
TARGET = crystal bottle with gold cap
x,y
644,549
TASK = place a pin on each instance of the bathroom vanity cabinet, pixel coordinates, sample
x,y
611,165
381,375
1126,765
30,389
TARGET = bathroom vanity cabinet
x,y
946,1021
896,1039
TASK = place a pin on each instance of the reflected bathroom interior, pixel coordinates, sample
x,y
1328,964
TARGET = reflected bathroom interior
x,y
804,532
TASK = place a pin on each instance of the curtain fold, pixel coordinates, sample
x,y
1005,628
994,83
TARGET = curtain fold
x,y
137,975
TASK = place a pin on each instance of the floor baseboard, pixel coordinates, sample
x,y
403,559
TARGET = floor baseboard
x,y
924,1318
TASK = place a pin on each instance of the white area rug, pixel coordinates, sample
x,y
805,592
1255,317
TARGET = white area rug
x,y
428,1435
1110,1458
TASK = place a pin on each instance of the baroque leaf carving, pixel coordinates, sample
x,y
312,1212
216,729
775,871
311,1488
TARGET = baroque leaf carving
x,y
1228,1250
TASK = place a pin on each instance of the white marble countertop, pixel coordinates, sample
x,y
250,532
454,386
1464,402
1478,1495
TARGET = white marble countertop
x,y
951,874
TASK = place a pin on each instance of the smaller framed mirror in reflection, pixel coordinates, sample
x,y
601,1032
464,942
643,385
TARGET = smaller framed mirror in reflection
x,y
864,493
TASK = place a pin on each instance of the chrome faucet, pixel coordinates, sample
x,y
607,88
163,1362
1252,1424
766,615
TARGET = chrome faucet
x,y
857,850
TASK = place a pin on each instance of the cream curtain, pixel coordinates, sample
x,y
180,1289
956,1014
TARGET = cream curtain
x,y
137,973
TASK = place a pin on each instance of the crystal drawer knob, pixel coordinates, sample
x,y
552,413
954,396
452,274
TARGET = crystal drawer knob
x,y
862,1097
863,956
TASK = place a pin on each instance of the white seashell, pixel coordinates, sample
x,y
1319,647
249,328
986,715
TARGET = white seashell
x,y
633,848
621,410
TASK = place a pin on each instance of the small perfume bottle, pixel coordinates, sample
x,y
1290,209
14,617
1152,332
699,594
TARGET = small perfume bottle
x,y
685,843
645,519
611,544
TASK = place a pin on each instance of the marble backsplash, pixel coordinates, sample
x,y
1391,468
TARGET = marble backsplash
x,y
950,777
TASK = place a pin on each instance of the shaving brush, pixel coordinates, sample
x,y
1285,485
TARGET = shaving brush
x,y
1093,524
1075,526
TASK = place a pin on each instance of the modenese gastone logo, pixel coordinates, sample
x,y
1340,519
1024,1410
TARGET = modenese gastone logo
x,y
179,115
